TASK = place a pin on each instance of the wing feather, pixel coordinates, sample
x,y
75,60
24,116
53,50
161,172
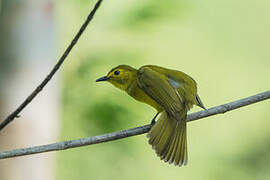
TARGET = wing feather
x,y
157,86
185,86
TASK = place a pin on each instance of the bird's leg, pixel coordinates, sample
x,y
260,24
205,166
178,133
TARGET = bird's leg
x,y
153,120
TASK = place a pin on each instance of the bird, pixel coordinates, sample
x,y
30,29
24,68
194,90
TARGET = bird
x,y
172,93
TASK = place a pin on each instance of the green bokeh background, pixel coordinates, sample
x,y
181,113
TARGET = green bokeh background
x,y
223,45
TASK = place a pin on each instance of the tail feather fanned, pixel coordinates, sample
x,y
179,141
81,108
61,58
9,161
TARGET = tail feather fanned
x,y
168,139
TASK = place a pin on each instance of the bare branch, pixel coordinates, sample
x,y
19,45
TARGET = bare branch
x,y
39,88
131,132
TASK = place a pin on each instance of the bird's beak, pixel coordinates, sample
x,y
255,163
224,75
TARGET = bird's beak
x,y
104,78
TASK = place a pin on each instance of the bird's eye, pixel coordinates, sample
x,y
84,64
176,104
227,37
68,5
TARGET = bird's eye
x,y
116,72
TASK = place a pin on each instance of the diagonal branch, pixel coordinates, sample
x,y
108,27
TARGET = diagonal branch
x,y
39,88
131,132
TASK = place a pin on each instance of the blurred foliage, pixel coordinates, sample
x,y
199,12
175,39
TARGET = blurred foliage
x,y
107,115
144,14
250,163
99,110
222,45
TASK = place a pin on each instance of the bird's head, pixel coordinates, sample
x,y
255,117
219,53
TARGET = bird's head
x,y
121,76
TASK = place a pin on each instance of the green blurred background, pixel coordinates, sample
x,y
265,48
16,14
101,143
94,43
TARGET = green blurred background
x,y
223,45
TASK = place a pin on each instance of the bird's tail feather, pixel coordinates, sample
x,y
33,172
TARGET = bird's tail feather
x,y
168,139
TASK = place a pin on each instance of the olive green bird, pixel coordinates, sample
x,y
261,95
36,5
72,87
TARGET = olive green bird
x,y
172,93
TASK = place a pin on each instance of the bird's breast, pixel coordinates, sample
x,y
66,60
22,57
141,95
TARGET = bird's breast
x,y
137,93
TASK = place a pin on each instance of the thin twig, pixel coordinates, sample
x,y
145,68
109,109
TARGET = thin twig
x,y
39,88
131,132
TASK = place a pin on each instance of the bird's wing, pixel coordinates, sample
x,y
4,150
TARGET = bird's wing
x,y
185,85
157,86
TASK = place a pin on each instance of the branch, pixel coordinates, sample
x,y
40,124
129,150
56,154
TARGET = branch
x,y
39,88
131,132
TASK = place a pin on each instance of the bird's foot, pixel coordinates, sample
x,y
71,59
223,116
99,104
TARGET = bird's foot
x,y
153,122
